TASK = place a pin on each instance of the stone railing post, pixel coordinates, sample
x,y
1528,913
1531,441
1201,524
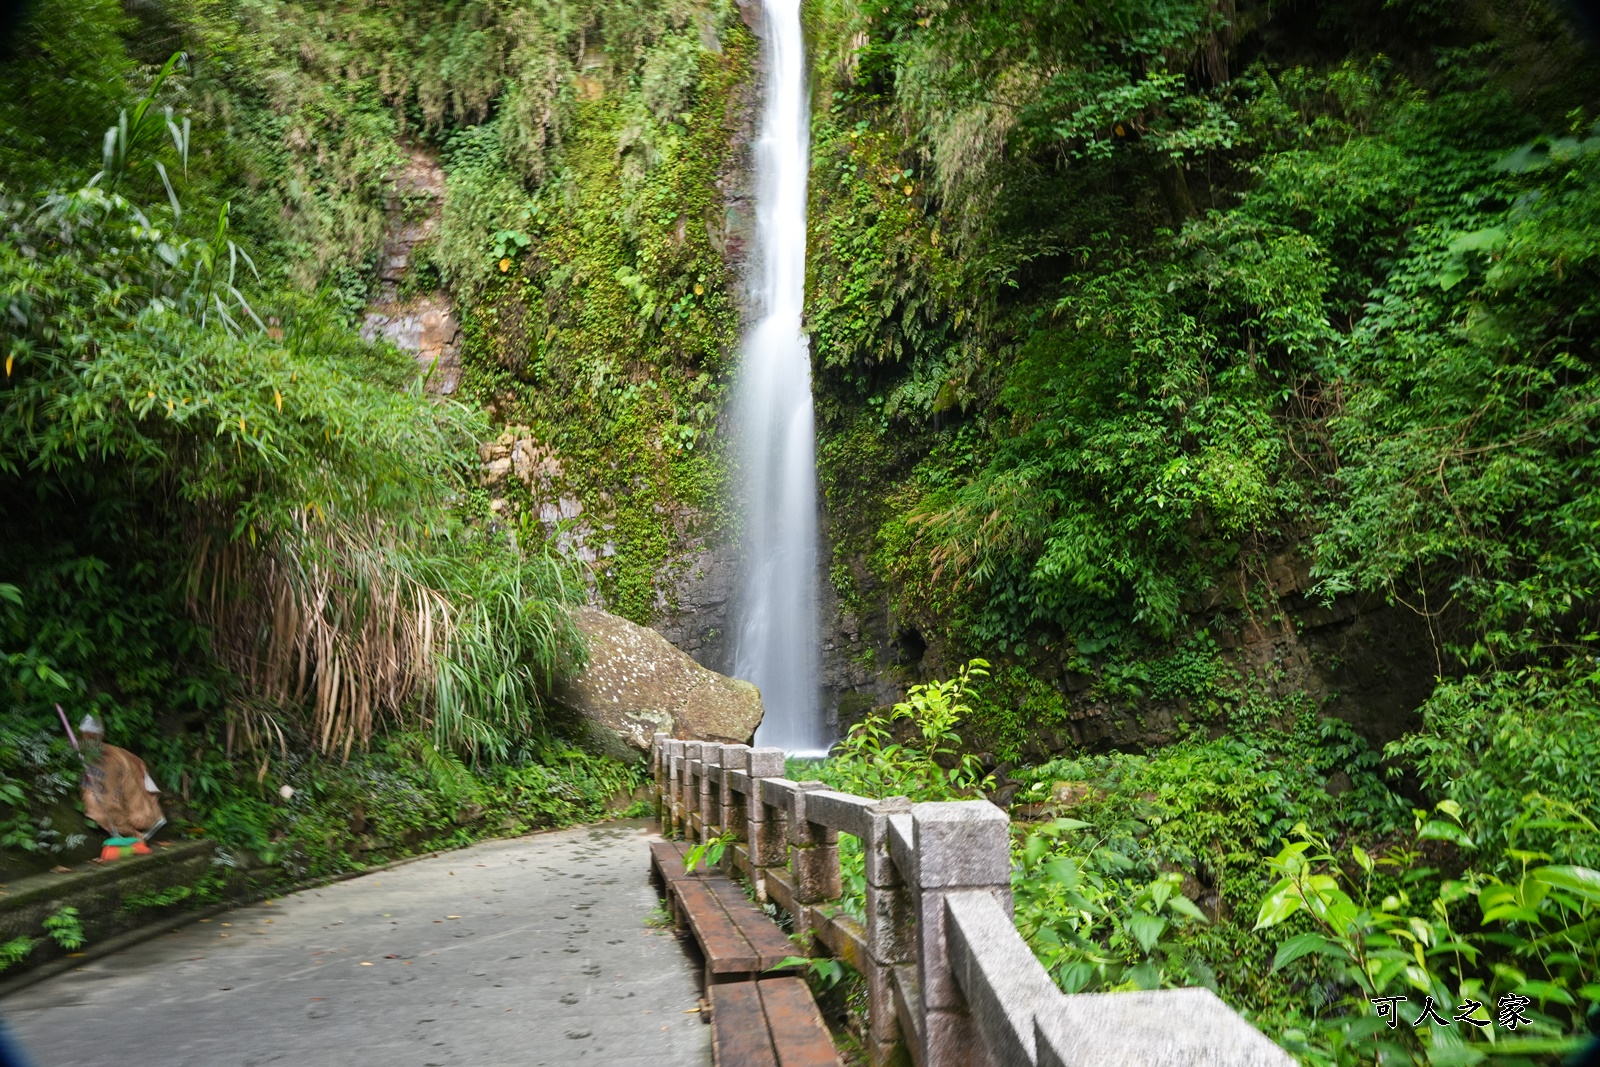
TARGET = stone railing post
x,y
710,789
959,845
814,859
891,932
689,797
672,820
658,775
730,801
767,826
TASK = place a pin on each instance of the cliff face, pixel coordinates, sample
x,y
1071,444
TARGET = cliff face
x,y
695,602
1078,397
422,323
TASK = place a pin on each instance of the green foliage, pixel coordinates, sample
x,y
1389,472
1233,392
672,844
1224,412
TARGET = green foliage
x,y
1010,710
1095,923
38,775
398,801
1531,937
1488,741
15,951
1143,871
65,928
1136,311
608,336
928,764
199,454
157,898
138,370
822,973
709,852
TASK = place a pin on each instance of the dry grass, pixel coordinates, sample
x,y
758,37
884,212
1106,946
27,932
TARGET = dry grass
x,y
338,627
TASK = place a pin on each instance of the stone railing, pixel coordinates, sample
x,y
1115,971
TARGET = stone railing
x,y
949,979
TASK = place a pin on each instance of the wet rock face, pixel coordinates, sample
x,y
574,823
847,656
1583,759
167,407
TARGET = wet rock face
x,y
695,603
517,456
423,324
637,683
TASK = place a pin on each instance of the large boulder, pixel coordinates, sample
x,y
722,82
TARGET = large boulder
x,y
638,683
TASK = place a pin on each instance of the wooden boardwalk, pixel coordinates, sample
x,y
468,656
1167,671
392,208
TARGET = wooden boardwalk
x,y
760,1017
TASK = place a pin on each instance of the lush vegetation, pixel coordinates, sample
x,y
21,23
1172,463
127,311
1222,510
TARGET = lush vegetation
x,y
1227,863
247,539
1119,307
1157,344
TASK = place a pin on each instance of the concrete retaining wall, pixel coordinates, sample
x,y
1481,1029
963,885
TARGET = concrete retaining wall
x,y
102,893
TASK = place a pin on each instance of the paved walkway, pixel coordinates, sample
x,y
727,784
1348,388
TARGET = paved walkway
x,y
528,952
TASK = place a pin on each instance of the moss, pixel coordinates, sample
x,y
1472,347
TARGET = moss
x,y
611,337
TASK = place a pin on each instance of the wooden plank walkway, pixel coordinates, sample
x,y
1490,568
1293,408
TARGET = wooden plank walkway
x,y
770,1023
737,938
757,1019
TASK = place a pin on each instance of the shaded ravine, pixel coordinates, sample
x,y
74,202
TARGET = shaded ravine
x,y
530,951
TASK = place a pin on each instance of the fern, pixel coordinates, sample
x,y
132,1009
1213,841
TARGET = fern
x,y
14,951
65,928
449,775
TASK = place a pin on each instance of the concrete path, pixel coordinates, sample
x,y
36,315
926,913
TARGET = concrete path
x,y
527,952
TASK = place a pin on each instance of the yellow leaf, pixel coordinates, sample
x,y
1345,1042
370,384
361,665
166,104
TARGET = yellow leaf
x,y
151,393
907,190
241,424
9,360
505,265
698,289
278,397
169,407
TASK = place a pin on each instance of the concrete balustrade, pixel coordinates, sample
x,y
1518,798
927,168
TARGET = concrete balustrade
x,y
950,982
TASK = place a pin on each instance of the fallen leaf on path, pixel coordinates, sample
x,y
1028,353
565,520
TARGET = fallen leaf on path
x,y
364,963
58,869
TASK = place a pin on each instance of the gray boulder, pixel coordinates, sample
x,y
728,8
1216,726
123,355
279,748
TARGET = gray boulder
x,y
638,683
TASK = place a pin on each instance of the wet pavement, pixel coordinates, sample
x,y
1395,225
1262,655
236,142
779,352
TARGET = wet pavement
x,y
534,951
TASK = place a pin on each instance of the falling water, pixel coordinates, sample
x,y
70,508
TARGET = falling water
x,y
776,643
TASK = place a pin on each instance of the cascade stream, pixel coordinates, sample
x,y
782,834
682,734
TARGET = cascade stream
x,y
776,639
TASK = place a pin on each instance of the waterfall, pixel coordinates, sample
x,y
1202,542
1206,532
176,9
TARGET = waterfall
x,y
777,633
